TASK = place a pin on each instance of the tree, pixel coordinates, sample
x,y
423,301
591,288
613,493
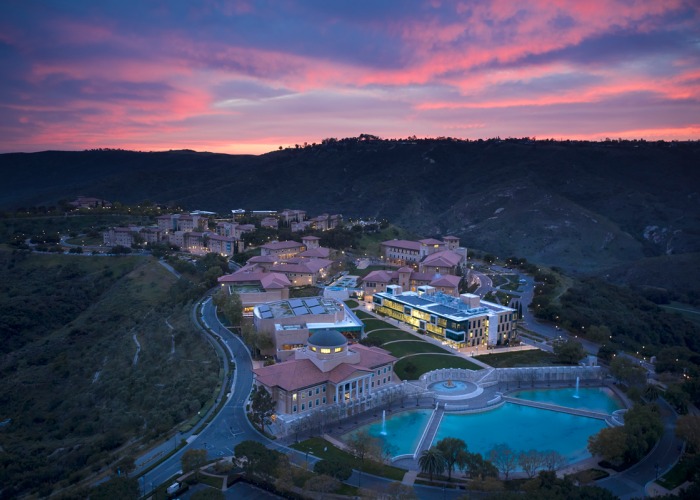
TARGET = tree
x,y
257,460
651,393
610,443
688,428
363,444
451,448
627,371
606,352
117,487
553,460
569,351
192,460
323,484
431,462
643,428
262,407
233,309
476,466
399,491
530,462
503,458
334,468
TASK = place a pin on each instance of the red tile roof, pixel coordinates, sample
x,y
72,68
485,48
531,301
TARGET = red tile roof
x,y
297,374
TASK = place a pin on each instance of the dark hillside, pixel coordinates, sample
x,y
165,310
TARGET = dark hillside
x,y
581,206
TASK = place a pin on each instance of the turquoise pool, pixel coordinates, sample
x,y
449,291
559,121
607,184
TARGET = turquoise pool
x,y
521,427
403,431
590,398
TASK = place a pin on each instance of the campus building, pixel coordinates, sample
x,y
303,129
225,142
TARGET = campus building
x,y
462,322
409,279
256,287
290,322
427,256
327,372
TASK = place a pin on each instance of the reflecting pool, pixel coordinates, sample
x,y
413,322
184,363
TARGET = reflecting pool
x,y
589,398
521,427
403,431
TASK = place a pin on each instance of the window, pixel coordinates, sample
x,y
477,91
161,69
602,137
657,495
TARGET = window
x,y
303,407
325,350
324,388
294,397
317,401
324,400
294,409
318,390
338,349
309,393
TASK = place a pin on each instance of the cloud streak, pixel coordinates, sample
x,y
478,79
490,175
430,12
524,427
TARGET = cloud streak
x,y
251,76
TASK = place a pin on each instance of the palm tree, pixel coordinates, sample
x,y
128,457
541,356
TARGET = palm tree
x,y
431,461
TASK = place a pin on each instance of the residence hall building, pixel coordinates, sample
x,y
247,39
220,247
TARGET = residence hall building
x,y
290,322
464,321
445,255
409,279
255,287
327,373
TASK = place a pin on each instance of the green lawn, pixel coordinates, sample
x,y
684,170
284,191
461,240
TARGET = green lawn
x,y
376,324
351,304
390,334
416,346
428,362
364,315
675,477
533,357
326,451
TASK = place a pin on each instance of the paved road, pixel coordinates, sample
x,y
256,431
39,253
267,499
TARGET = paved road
x,y
230,426
632,482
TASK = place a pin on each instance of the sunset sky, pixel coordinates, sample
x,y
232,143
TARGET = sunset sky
x,y
248,77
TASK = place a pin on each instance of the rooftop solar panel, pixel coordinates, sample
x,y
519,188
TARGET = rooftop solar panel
x,y
318,310
413,300
295,303
300,311
266,315
311,302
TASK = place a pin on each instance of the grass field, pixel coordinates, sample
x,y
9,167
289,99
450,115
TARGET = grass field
x,y
390,335
325,450
406,347
425,363
532,357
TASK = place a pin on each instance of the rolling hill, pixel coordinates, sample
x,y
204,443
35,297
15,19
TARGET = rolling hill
x,y
582,206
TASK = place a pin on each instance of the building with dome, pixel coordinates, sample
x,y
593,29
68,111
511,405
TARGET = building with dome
x,y
327,372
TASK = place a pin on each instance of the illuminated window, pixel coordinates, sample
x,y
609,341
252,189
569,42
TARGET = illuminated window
x,y
313,349
338,349
294,397
325,350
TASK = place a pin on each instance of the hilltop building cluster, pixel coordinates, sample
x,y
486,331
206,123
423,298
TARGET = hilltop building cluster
x,y
193,232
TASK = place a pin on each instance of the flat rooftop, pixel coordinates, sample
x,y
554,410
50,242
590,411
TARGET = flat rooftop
x,y
445,305
298,307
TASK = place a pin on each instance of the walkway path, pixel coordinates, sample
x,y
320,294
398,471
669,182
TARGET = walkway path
x,y
561,409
